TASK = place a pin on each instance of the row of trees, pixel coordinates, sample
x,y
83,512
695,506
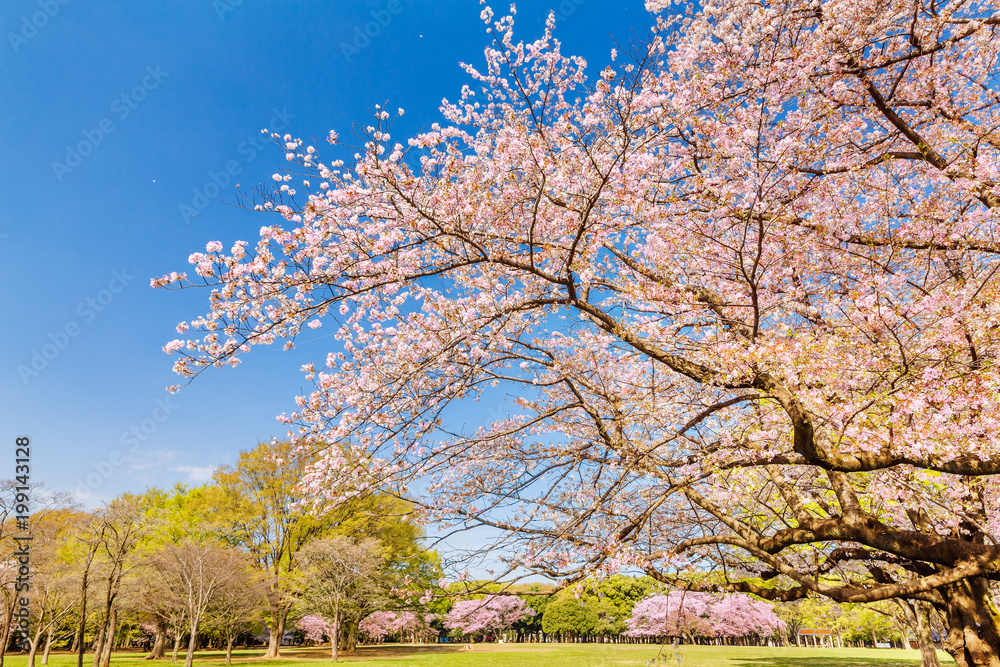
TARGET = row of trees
x,y
622,607
168,567
693,614
210,563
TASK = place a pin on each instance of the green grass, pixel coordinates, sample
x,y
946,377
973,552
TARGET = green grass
x,y
528,655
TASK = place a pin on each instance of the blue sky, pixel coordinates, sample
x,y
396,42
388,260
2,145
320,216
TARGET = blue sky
x,y
113,115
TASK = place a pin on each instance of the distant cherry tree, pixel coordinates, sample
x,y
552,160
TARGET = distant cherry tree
x,y
491,614
316,628
739,615
689,614
672,615
382,624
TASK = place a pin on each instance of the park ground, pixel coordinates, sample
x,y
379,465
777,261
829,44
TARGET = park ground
x,y
532,655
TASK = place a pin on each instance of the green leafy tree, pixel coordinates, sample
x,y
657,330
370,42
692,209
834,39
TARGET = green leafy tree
x,y
608,619
568,616
621,592
259,495
867,622
257,503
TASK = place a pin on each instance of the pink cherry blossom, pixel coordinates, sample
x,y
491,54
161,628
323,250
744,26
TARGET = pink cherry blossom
x,y
316,628
731,302
492,613
382,624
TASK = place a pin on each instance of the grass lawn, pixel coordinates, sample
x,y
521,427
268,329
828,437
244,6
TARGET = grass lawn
x,y
529,655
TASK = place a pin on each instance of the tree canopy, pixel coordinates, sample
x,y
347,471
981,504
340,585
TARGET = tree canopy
x,y
742,285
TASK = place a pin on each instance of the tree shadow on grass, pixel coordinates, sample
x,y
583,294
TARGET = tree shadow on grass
x,y
814,661
372,651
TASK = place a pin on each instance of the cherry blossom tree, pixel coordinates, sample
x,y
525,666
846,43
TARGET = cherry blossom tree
x,y
735,297
378,625
674,614
739,615
316,628
382,624
490,614
692,613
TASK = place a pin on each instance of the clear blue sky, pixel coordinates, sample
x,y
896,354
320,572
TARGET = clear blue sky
x,y
158,96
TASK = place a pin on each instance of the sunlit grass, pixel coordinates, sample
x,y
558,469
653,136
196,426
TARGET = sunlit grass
x,y
532,655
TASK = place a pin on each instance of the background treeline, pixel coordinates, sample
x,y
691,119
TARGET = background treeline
x,y
226,563
237,562
616,609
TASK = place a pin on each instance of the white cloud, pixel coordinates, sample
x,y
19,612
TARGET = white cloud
x,y
152,459
197,473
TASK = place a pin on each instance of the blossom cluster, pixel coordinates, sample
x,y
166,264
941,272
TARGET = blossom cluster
x,y
693,613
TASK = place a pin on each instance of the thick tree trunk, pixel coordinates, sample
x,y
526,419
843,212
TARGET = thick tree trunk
x,y
352,639
973,636
348,636
159,643
277,632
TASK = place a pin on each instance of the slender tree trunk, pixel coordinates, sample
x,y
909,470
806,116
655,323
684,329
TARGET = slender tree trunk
x,y
107,634
229,649
35,642
917,615
335,637
8,626
109,638
928,652
972,620
81,629
99,643
177,645
48,645
5,642
5,633
189,659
